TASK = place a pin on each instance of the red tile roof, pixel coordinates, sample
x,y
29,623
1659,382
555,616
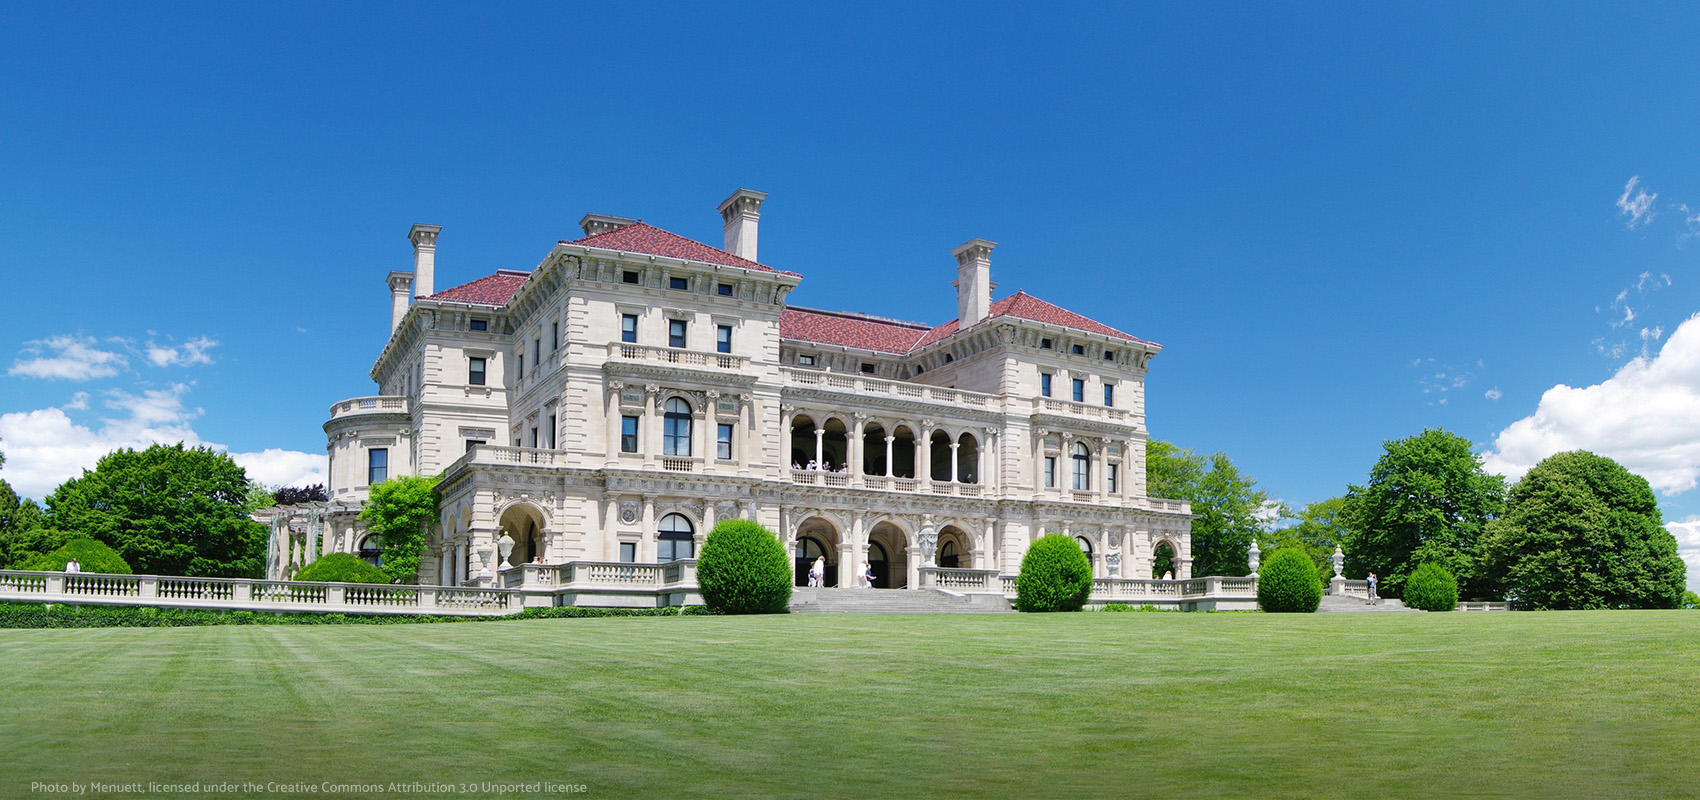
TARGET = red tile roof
x,y
491,290
1026,306
849,330
641,237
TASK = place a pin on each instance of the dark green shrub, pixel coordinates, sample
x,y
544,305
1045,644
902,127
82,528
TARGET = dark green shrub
x,y
91,556
1287,582
1055,576
743,569
342,568
1116,607
1431,588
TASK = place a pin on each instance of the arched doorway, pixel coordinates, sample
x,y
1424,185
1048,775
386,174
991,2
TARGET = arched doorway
x,y
1162,560
888,556
967,459
879,565
524,525
955,552
816,538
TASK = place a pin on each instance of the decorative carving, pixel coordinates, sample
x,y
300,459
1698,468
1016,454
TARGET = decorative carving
x,y
1113,562
628,511
1115,540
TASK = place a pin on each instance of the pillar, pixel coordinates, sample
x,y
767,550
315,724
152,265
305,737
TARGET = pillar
x,y
650,442
890,441
612,402
853,453
955,466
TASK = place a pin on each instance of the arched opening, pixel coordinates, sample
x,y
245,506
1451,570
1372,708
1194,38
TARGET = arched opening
x,y
835,446
903,452
968,458
888,556
816,539
1082,459
371,550
524,525
803,442
1086,549
873,449
676,428
674,539
954,548
939,449
1162,560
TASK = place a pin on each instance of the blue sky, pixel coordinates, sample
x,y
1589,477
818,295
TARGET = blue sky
x,y
1345,223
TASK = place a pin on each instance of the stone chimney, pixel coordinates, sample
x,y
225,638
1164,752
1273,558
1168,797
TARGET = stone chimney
x,y
741,212
973,281
602,223
401,283
424,239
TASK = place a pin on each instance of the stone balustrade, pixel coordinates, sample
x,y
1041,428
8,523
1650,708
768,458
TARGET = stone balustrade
x,y
1071,409
381,404
864,386
252,595
648,354
1209,592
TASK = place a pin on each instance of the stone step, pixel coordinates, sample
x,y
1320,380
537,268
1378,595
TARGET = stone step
x,y
1354,605
892,601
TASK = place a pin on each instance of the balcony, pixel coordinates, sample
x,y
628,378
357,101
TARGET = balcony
x,y
1073,410
359,406
626,353
863,386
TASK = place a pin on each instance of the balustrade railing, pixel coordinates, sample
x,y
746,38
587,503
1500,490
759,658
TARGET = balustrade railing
x,y
625,351
238,593
962,580
1051,405
382,404
879,387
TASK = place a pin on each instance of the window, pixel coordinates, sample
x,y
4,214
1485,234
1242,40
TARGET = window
x,y
673,539
372,550
377,465
680,284
628,434
1079,350
723,441
628,328
675,333
1045,384
1113,478
537,352
1082,468
533,436
629,276
551,429
479,325
1085,547
948,557
1109,355
807,361
1046,344
868,369
554,336
1079,390
471,443
628,552
1050,471
949,358
676,428
723,339
724,290
1109,394
475,371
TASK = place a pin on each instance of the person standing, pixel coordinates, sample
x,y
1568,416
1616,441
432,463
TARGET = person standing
x,y
867,576
817,573
1371,584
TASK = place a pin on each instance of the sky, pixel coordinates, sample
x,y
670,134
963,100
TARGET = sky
x,y
1345,222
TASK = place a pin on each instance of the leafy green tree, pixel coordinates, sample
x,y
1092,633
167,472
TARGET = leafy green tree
x,y
91,556
1580,531
1318,529
295,495
743,569
1690,600
167,510
1431,588
1229,505
1055,576
1427,499
400,511
1287,583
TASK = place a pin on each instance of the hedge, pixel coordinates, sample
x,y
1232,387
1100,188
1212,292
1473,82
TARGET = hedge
x,y
743,569
1055,576
91,556
342,568
60,615
1431,588
1287,582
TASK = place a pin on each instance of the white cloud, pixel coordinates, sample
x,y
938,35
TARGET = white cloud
x,y
73,358
45,447
1687,533
1646,416
189,353
1638,208
1493,394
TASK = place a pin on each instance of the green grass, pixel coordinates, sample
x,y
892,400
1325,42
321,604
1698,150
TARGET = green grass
x,y
1585,704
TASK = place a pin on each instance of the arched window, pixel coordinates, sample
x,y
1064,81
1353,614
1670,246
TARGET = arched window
x,y
1082,468
372,550
1085,547
676,432
673,539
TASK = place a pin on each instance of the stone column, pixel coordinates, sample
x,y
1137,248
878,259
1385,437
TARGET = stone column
x,y
890,441
749,440
850,553
650,442
820,444
924,453
853,452
702,439
955,464
646,545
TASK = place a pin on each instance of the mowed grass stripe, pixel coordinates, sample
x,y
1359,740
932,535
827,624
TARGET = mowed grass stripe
x,y
1082,705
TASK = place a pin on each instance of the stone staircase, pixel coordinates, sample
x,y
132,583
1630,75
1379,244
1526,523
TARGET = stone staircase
x,y
1356,605
892,601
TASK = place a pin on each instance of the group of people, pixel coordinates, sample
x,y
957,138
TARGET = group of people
x,y
817,574
73,566
819,467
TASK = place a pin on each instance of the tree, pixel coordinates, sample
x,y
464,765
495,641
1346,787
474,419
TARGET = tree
x,y
1318,530
1431,588
399,511
1055,576
295,495
1229,505
1287,583
1427,499
743,569
167,510
1580,531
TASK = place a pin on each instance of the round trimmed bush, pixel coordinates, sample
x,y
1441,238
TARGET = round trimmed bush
x,y
1431,588
91,556
1055,576
342,568
743,569
1287,583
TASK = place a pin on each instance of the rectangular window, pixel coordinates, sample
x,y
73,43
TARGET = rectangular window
x,y
1109,394
537,352
680,284
479,325
1079,390
1109,355
534,437
550,438
628,328
1045,384
1080,349
629,276
475,371
628,434
521,357
1082,472
869,369
1112,478
471,443
377,465
723,441
628,552
1050,471
807,361
674,546
1045,344
554,336
723,339
675,333
724,289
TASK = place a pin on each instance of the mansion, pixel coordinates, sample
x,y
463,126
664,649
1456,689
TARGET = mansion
x,y
613,403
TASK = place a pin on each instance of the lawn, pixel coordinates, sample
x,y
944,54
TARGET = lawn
x,y
1579,704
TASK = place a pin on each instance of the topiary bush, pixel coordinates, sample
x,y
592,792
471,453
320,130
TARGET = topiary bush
x,y
1055,576
1287,583
743,569
91,556
1431,588
342,568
